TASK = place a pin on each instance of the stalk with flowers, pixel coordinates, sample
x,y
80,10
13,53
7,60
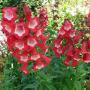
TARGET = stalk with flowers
x,y
55,65
26,40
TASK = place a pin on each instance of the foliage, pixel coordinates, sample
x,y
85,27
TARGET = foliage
x,y
56,76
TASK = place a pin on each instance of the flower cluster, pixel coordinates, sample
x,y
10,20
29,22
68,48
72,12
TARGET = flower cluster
x,y
26,39
70,43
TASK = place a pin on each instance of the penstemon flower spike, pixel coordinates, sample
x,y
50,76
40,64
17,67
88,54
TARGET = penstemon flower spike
x,y
71,37
26,40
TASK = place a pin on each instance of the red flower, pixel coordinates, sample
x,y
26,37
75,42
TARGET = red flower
x,y
38,65
24,69
35,57
18,44
42,62
77,37
86,58
22,58
84,47
8,27
56,52
76,55
31,41
61,32
67,61
70,62
72,33
27,12
20,31
10,42
70,51
67,25
58,43
9,14
33,23
74,63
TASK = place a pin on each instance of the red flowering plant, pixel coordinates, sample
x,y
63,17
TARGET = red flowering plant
x,y
72,44
26,40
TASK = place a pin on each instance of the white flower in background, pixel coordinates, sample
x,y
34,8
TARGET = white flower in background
x,y
82,9
78,9
72,11
53,2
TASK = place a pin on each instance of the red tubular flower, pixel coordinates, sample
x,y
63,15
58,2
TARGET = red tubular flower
x,y
72,33
61,32
67,25
22,58
10,42
38,65
74,63
20,31
38,33
18,44
57,43
9,14
27,12
24,69
56,52
59,50
86,58
84,47
31,42
35,57
8,27
76,55
41,63
70,51
67,61
77,38
33,23
70,62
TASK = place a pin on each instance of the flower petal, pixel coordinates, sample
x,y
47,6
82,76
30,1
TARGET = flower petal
x,y
86,58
